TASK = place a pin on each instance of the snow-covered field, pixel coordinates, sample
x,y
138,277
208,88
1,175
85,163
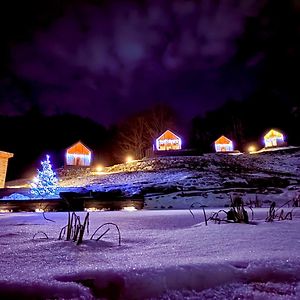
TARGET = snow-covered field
x,y
163,255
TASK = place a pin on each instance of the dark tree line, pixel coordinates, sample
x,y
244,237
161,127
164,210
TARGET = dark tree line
x,y
270,52
33,135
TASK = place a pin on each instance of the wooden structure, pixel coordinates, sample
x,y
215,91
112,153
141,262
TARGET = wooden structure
x,y
223,144
78,155
4,156
274,139
168,141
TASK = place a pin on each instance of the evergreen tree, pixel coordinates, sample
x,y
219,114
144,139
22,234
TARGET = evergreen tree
x,y
45,183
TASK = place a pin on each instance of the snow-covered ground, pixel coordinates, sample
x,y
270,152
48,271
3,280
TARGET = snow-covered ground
x,y
163,255
207,179
178,182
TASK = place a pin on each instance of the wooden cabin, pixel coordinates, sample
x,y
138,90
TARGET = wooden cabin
x,y
168,141
78,155
274,139
223,144
4,156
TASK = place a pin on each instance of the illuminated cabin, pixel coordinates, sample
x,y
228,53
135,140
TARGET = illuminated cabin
x,y
4,156
274,139
78,155
223,144
168,141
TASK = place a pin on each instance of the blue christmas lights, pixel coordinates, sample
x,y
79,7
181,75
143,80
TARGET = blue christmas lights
x,y
45,183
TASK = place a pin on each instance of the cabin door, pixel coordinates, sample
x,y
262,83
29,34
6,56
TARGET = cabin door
x,y
77,161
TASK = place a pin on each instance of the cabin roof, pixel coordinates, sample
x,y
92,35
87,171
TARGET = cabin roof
x,y
223,140
273,134
168,135
4,154
79,148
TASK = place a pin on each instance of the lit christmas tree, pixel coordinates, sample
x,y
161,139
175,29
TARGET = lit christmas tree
x,y
45,183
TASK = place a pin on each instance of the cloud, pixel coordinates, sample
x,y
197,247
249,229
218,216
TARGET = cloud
x,y
108,61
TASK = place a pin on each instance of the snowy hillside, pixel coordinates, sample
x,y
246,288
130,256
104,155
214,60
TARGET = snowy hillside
x,y
177,182
207,179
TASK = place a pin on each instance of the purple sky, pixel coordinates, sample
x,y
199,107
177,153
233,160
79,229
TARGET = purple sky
x,y
108,61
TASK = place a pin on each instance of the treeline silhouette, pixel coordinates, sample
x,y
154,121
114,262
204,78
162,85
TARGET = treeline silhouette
x,y
33,135
245,122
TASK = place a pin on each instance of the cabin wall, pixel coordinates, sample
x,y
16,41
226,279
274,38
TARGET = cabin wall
x,y
78,160
3,169
168,144
224,147
274,142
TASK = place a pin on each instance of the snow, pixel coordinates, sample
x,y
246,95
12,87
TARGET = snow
x,y
16,196
212,174
163,255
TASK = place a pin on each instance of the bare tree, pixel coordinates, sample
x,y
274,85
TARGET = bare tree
x,y
131,138
137,134
160,118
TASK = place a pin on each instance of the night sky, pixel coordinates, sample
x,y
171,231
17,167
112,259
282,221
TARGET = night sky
x,y
108,59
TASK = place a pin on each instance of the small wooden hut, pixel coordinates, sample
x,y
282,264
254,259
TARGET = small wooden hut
x,y
78,155
274,138
223,144
168,141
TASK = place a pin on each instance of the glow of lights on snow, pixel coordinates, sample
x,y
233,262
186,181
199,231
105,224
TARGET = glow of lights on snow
x,y
251,148
92,209
16,186
128,158
129,208
99,168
